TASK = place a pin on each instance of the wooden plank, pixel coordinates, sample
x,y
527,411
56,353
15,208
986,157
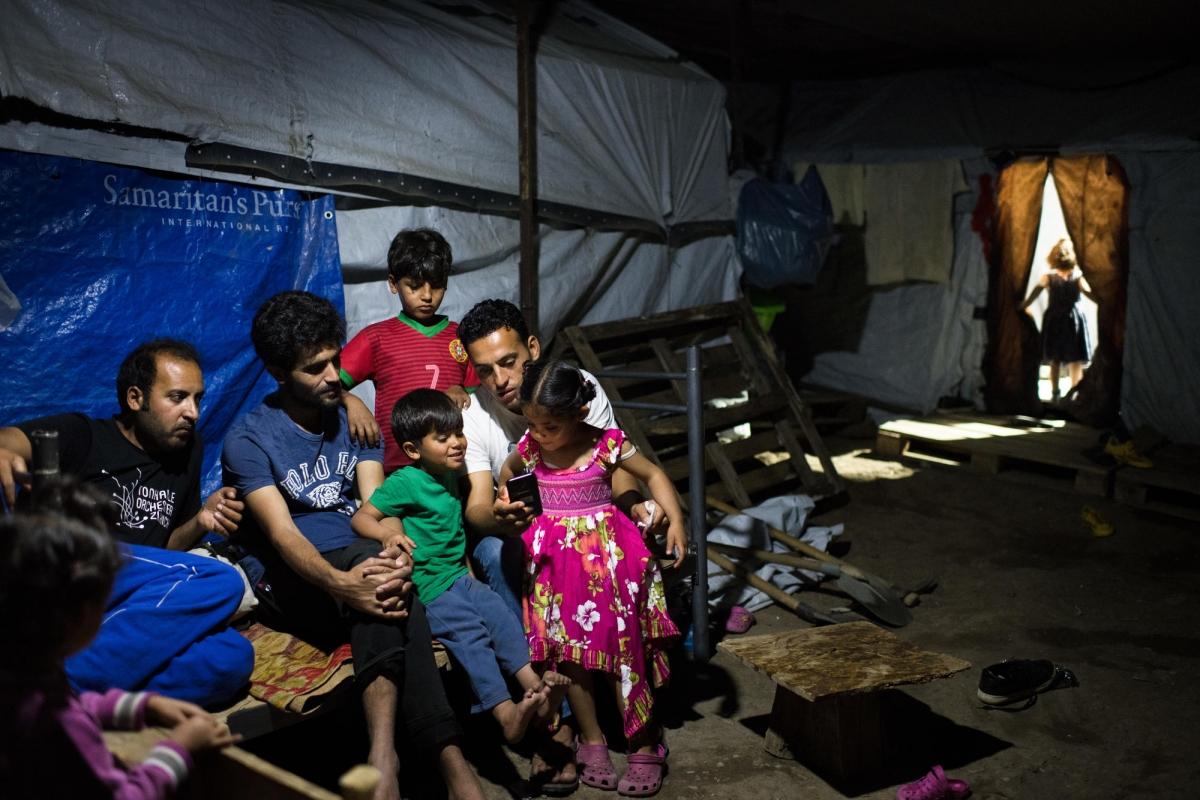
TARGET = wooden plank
x,y
729,475
766,350
988,463
738,351
669,363
1130,487
810,479
767,477
624,417
1093,483
698,317
738,450
889,444
849,658
1127,491
838,737
725,385
982,438
719,418
751,363
776,478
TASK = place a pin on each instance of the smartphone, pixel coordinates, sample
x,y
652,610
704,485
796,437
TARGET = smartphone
x,y
524,488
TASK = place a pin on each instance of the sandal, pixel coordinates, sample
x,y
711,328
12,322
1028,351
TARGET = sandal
x,y
739,621
595,766
554,763
644,776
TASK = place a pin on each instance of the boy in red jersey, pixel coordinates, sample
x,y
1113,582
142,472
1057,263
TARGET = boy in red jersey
x,y
416,349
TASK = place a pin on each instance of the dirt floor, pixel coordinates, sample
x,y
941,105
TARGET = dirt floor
x,y
1020,576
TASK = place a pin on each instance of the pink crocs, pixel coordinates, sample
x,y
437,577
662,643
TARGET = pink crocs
x,y
739,621
934,786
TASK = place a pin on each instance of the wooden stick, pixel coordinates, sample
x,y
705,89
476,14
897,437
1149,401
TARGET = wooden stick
x,y
359,782
796,544
909,599
772,557
774,592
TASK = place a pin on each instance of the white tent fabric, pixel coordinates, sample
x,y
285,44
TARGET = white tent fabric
x,y
408,87
413,88
1161,382
921,341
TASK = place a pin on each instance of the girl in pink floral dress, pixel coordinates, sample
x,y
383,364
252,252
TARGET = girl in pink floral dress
x,y
595,609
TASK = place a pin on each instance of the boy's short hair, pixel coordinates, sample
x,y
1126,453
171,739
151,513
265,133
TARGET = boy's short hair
x,y
422,255
488,316
140,367
424,411
291,326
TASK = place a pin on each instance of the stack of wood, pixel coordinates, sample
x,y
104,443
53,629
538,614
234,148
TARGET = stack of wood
x,y
760,443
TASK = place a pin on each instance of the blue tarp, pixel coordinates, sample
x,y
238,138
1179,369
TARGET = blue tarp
x,y
96,258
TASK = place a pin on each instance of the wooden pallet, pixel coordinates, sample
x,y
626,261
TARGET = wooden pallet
x,y
1171,486
832,409
1051,449
736,358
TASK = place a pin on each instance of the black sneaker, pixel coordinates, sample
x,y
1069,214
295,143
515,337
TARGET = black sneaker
x,y
1018,679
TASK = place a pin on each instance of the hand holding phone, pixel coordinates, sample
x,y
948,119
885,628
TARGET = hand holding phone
x,y
524,489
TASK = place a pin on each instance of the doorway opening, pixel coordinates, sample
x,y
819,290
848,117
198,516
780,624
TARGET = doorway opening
x,y
1091,210
1051,230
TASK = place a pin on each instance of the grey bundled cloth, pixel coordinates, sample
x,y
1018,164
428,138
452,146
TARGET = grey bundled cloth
x,y
788,513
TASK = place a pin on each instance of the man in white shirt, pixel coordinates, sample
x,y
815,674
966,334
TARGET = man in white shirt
x,y
499,344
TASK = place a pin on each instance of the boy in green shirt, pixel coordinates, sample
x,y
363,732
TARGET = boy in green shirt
x,y
470,619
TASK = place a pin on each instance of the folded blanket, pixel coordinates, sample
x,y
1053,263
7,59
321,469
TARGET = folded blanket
x,y
292,675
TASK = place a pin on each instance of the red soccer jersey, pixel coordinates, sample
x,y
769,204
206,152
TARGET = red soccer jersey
x,y
400,354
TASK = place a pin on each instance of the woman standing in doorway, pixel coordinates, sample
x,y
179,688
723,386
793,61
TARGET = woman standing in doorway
x,y
1065,337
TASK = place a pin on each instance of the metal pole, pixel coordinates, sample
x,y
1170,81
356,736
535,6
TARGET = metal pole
x,y
527,146
695,403
43,465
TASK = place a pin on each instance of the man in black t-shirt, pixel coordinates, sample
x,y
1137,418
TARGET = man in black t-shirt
x,y
166,624
146,458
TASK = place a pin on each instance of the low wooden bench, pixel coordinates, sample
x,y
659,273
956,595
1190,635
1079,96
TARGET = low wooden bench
x,y
233,773
828,679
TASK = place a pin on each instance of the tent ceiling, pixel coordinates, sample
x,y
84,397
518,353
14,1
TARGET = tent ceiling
x,y
786,39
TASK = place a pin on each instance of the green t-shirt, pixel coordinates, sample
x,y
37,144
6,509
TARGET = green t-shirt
x,y
432,517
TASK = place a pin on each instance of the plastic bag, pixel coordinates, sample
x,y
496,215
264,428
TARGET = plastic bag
x,y
784,231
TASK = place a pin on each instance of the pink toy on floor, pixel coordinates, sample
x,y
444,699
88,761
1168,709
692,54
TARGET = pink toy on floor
x,y
934,786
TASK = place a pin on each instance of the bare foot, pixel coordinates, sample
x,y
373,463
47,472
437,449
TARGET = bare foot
x,y
515,717
389,784
557,684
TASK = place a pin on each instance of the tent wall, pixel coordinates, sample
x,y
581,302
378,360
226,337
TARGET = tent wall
x,y
916,116
1131,111
407,87
909,344
1161,384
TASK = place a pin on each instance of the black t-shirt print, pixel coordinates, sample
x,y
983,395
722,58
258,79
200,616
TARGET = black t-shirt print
x,y
151,498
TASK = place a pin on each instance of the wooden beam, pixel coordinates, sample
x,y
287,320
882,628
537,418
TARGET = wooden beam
x,y
527,146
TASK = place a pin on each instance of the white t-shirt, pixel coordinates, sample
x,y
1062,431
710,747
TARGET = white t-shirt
x,y
492,430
